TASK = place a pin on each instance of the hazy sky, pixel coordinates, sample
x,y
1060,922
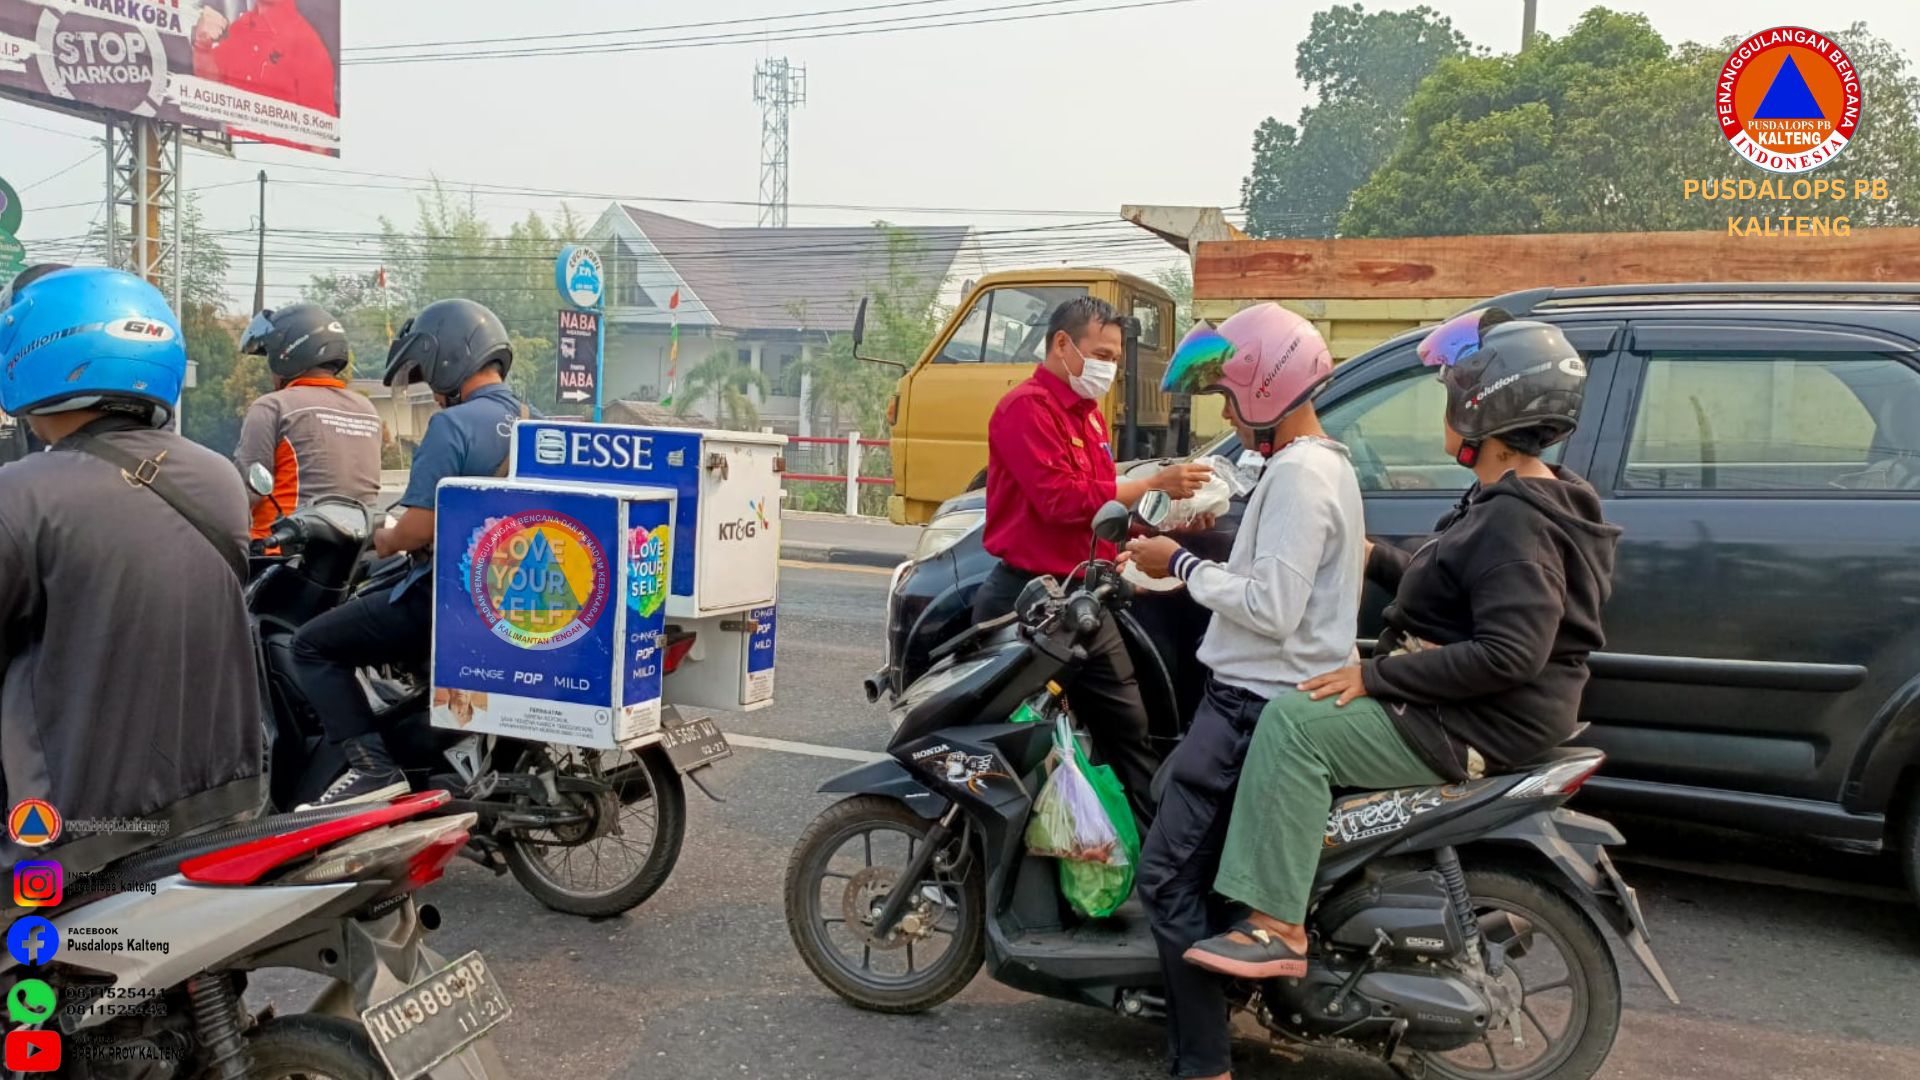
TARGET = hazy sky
x,y
1080,113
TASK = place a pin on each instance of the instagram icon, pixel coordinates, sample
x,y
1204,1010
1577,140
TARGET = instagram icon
x,y
37,884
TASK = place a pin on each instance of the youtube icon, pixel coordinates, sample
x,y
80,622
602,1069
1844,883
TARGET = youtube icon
x,y
33,1051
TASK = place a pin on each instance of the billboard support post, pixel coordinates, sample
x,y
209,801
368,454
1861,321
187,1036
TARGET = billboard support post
x,y
144,156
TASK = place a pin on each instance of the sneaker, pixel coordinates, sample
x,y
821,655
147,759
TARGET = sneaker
x,y
371,776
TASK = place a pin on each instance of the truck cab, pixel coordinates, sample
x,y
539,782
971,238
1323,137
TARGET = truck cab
x,y
940,409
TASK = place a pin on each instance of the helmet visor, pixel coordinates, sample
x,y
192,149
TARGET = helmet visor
x,y
253,340
1459,337
1198,362
408,354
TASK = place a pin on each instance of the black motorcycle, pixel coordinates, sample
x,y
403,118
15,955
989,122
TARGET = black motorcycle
x,y
587,832
1455,931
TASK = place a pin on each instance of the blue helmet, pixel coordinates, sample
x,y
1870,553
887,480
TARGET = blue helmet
x,y
84,337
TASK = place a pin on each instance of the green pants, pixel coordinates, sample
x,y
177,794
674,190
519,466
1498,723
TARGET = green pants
x,y
1301,750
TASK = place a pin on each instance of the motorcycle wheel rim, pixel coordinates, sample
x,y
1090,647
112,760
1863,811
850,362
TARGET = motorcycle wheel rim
x,y
613,860
925,958
1554,999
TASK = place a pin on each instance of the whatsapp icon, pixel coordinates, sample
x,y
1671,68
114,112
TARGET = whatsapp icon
x,y
31,1001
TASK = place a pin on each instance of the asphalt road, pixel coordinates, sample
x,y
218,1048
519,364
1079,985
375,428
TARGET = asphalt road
x,y
1810,979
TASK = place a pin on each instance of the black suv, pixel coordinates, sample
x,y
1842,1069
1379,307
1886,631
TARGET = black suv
x,y
1760,445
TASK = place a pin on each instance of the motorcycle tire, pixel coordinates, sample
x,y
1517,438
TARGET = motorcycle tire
x,y
311,1047
1597,981
806,871
669,795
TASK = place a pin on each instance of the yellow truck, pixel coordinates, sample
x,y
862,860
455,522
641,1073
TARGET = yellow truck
x,y
992,341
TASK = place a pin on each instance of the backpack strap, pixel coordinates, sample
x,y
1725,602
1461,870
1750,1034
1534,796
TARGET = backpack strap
x,y
146,473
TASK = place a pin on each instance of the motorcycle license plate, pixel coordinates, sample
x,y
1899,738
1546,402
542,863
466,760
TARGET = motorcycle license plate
x,y
437,1017
694,743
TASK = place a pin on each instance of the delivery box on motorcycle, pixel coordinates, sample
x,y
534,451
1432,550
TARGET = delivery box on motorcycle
x,y
725,555
550,610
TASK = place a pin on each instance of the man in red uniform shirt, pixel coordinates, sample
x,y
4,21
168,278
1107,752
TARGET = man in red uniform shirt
x,y
270,49
1050,468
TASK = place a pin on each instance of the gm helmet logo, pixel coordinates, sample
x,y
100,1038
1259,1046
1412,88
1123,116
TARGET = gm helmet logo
x,y
550,447
144,330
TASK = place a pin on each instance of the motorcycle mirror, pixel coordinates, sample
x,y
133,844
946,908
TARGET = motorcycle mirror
x,y
1110,523
259,480
1154,507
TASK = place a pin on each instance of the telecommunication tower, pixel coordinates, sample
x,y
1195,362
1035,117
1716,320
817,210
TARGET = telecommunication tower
x,y
777,87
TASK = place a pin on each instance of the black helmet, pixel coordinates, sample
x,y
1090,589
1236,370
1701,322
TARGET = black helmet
x,y
295,339
1518,379
447,344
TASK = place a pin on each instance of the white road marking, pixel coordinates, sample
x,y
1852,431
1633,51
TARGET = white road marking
x,y
847,568
783,746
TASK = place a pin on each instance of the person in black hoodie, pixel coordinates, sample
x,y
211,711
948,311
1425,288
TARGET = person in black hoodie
x,y
1484,656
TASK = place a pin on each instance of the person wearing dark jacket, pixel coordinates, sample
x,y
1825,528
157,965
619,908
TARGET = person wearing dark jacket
x,y
128,692
1484,656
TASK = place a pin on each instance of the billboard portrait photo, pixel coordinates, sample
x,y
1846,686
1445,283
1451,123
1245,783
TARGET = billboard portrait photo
x,y
267,70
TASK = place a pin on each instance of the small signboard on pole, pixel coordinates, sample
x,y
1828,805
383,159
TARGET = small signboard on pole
x,y
579,365
577,274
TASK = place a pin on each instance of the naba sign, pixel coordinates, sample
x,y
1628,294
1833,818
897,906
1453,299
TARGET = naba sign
x,y
577,275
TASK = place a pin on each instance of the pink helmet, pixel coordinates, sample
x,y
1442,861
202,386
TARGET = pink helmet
x,y
1267,360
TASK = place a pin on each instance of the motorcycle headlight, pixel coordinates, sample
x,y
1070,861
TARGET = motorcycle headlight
x,y
945,531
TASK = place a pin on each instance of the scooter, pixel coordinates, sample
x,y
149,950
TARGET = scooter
x,y
149,957
587,832
1455,930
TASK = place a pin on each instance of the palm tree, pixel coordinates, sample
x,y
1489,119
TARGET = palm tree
x,y
730,384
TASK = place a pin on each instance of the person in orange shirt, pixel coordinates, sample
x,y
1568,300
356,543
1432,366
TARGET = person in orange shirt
x,y
316,436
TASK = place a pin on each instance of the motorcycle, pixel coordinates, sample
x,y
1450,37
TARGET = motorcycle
x,y
587,832
154,953
1455,930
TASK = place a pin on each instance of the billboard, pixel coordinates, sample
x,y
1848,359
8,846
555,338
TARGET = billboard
x,y
254,69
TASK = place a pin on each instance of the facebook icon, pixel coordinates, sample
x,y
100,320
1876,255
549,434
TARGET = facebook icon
x,y
32,940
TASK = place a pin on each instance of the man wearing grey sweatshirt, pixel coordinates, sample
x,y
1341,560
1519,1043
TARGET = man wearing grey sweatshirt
x,y
1285,606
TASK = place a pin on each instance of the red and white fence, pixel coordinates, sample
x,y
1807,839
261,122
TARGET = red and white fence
x,y
843,455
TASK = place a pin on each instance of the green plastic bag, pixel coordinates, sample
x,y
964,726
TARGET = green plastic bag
x,y
1082,818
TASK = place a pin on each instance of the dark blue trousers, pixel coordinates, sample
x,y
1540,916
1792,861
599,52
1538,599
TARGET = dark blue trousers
x,y
1177,865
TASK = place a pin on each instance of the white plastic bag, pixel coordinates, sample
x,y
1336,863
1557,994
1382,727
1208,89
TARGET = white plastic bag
x,y
1068,819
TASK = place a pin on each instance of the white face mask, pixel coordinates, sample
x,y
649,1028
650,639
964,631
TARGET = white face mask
x,y
1095,378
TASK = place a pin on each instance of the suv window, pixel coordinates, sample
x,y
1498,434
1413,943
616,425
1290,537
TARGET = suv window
x,y
1007,325
1775,422
1395,431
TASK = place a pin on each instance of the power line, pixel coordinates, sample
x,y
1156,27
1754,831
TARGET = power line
x,y
47,179
757,19
811,33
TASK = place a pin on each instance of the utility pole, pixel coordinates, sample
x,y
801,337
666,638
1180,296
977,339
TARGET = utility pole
x,y
1527,18
144,161
777,86
260,254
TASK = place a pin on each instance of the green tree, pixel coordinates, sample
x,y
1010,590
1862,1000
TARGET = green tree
x,y
452,251
731,385
1363,66
903,317
1596,131
1178,281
